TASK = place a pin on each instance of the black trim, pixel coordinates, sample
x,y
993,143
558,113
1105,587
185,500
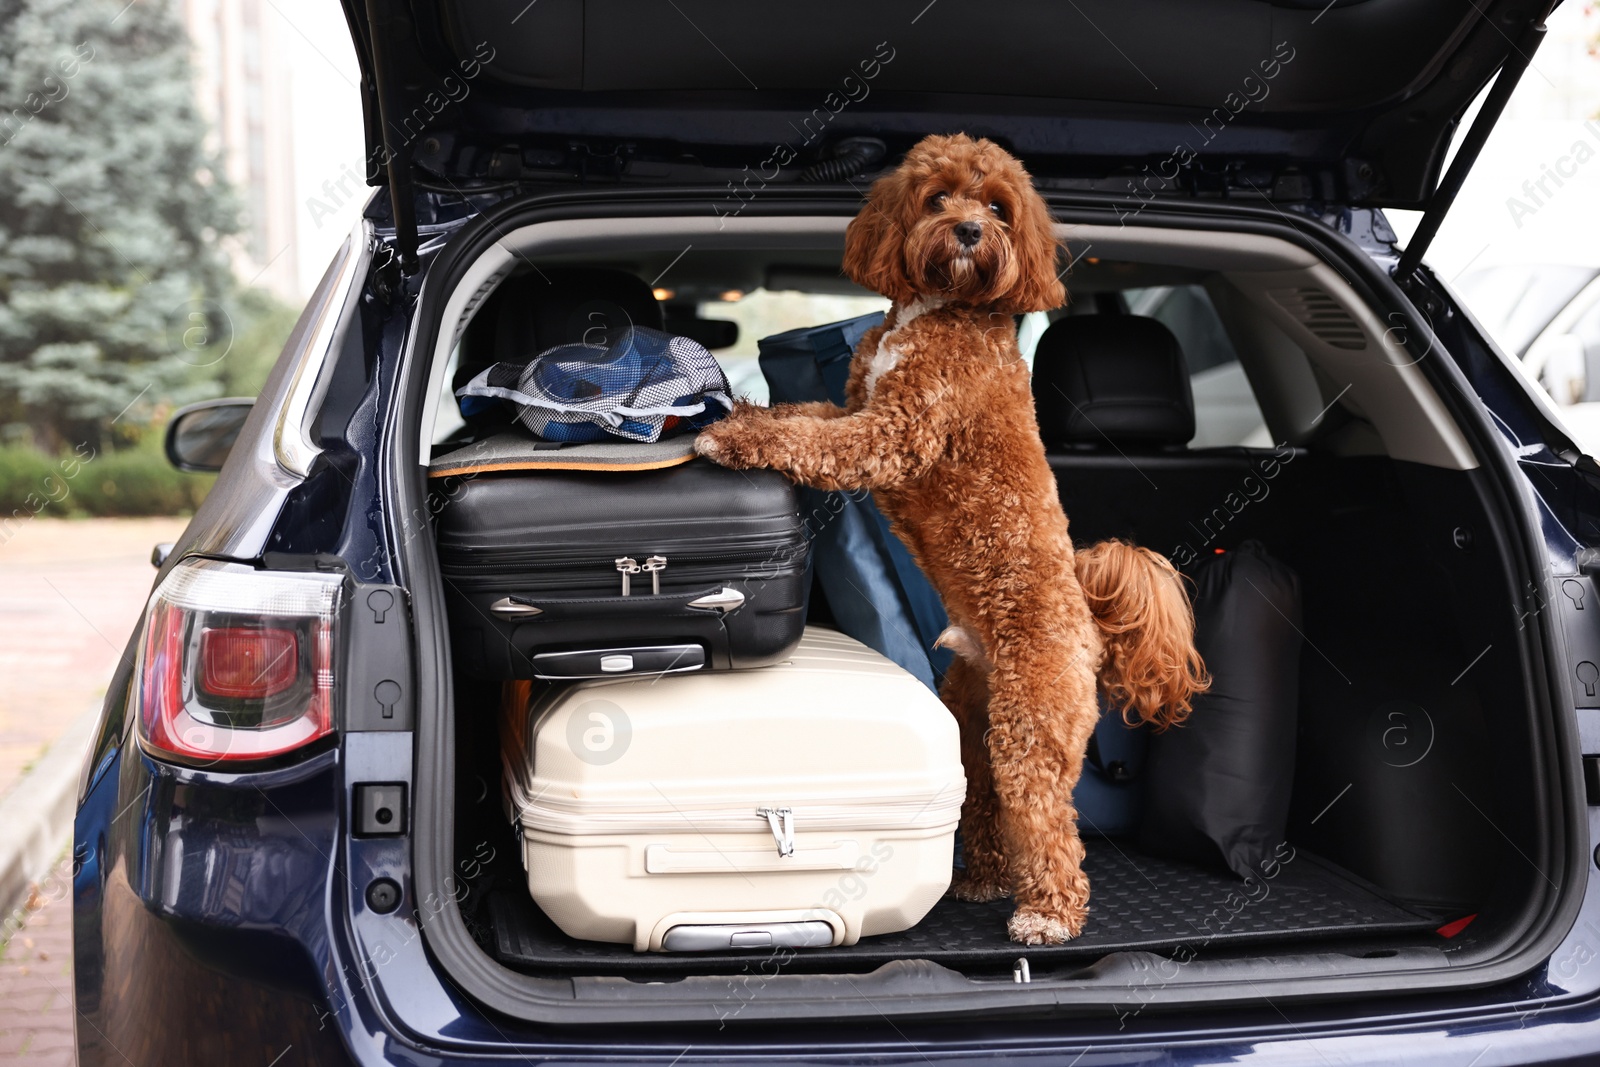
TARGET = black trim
x,y
1445,194
393,153
1363,97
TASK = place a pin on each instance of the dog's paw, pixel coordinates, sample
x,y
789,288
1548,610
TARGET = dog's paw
x,y
964,886
729,443
1036,928
966,645
705,444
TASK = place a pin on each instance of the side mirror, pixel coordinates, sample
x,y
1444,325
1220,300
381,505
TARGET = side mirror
x,y
200,436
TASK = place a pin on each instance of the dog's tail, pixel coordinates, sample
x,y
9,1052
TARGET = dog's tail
x,y
1151,671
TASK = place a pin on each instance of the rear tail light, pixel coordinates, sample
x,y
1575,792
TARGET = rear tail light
x,y
253,662
236,663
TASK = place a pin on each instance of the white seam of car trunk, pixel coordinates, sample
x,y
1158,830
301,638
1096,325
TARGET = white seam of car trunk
x,y
291,439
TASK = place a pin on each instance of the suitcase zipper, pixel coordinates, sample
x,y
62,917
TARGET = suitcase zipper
x,y
652,566
628,567
897,811
463,559
601,579
781,822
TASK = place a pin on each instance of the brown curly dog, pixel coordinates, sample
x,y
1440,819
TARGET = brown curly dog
x,y
940,427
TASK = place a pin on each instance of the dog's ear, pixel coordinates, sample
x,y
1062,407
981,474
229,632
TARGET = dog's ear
x,y
1033,235
874,242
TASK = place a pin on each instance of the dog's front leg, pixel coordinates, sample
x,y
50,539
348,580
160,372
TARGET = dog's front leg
x,y
816,409
866,450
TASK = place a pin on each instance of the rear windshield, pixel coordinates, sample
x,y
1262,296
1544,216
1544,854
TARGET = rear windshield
x,y
1226,412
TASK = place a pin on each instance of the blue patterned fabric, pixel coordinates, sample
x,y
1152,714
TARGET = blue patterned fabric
x,y
638,385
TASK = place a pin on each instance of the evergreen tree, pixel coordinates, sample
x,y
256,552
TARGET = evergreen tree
x,y
112,283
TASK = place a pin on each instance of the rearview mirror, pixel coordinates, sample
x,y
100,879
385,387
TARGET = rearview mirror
x,y
200,436
712,333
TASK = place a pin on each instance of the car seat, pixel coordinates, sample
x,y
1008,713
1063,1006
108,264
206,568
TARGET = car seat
x,y
539,309
1116,414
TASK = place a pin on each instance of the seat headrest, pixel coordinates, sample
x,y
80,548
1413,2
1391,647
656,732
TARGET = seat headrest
x,y
531,312
559,306
1116,378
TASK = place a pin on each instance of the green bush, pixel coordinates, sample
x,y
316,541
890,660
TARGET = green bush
x,y
131,481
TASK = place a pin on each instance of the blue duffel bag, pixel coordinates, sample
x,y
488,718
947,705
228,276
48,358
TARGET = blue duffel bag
x,y
877,593
1110,792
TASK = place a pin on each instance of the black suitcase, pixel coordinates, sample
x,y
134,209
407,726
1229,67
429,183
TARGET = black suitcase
x,y
573,574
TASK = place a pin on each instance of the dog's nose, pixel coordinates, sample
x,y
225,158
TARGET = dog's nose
x,y
969,233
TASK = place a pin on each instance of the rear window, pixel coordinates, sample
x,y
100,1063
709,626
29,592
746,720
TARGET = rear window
x,y
1225,408
1226,412
764,312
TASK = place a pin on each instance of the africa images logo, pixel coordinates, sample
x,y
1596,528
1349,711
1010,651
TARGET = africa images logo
x,y
1536,192
599,732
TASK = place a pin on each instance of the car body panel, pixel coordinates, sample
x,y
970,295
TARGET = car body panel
x,y
247,889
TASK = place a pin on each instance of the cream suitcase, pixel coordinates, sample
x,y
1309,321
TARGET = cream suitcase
x,y
805,804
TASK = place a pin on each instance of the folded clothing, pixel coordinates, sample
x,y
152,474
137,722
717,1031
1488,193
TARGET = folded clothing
x,y
635,383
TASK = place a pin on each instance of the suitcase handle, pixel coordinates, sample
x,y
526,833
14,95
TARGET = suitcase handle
x,y
718,599
725,599
511,608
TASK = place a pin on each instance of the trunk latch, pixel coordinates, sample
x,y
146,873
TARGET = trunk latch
x,y
781,822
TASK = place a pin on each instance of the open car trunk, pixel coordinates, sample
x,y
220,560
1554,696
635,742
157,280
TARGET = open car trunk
x,y
1425,841
1406,776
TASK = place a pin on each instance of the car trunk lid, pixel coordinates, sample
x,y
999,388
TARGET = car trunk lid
x,y
1349,102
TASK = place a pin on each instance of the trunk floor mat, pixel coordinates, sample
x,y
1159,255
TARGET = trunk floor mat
x,y
1139,902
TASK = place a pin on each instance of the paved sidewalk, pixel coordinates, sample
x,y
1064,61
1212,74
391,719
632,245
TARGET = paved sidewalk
x,y
36,981
70,593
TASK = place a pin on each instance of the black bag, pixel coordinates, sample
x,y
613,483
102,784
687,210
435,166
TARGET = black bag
x,y
575,574
1217,788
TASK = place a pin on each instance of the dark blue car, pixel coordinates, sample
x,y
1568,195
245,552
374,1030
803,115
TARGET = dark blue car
x,y
290,845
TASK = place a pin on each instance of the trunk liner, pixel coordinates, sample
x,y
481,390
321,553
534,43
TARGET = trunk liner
x,y
1139,902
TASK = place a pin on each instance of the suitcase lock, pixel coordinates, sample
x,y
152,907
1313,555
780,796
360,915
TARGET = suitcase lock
x,y
781,822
